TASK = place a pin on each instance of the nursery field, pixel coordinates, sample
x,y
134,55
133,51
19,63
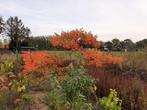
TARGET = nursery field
x,y
78,78
66,81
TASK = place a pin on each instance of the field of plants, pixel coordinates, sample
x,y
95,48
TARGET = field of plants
x,y
77,78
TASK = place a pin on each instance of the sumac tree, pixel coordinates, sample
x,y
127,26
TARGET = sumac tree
x,y
75,40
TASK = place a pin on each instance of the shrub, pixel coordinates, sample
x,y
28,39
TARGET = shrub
x,y
71,93
112,102
56,100
40,62
75,83
100,59
6,66
10,63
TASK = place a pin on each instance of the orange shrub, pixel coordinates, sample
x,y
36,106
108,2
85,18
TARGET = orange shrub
x,y
40,62
99,58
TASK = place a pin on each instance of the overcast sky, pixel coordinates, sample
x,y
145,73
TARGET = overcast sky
x,y
107,18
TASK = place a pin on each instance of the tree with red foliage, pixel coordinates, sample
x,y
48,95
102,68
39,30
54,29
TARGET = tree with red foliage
x,y
75,40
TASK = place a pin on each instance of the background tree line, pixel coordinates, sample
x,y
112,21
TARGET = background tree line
x,y
19,36
43,43
39,42
125,45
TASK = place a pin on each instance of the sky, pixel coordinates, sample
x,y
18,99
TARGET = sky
x,y
107,19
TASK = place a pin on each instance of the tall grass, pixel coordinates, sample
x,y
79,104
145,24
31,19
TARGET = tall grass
x,y
132,91
135,60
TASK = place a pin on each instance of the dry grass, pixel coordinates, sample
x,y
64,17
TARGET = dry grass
x,y
132,91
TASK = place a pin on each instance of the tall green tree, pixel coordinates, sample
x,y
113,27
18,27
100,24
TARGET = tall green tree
x,y
2,24
122,45
40,42
108,45
129,44
116,44
16,31
141,43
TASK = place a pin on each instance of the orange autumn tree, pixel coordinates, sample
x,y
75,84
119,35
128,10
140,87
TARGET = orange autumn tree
x,y
74,40
77,40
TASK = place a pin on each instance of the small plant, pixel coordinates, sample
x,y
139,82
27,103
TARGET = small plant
x,y
6,66
81,103
20,85
55,99
112,102
26,98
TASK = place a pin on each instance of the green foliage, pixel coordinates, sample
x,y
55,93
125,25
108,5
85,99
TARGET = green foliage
x,y
17,63
20,85
77,82
6,66
10,63
71,93
26,98
40,42
2,24
55,99
81,103
141,44
16,31
112,102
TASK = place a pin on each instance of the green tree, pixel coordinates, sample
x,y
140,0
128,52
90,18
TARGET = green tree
x,y
40,42
2,24
17,32
129,45
116,44
108,45
122,45
141,43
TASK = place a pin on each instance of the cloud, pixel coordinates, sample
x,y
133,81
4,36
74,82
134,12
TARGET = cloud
x,y
113,18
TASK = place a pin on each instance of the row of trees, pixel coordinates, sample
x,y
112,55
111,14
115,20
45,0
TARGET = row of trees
x,y
127,44
15,30
39,42
19,36
44,43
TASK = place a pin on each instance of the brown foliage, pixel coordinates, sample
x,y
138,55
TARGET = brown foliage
x,y
132,91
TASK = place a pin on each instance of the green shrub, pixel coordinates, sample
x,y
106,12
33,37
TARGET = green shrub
x,y
72,93
55,99
26,98
112,102
77,82
6,66
81,103
10,63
